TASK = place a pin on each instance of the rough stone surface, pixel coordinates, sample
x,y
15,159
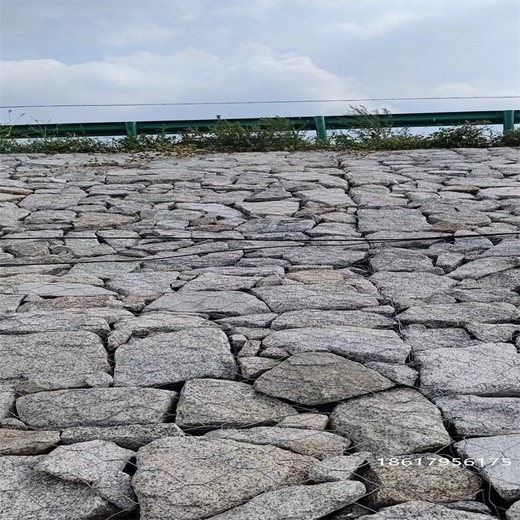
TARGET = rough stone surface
x,y
19,442
497,460
356,343
338,468
317,444
168,358
302,502
425,476
95,407
314,378
27,495
188,478
214,403
397,422
473,416
45,361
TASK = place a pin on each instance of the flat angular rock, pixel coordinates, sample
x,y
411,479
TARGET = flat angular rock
x,y
325,297
271,207
400,374
473,416
95,407
26,494
421,338
151,323
428,477
470,370
54,201
130,436
356,343
396,422
302,502
400,259
371,220
442,315
320,318
168,358
417,510
224,303
220,282
339,468
314,378
20,442
328,196
321,445
404,289
33,322
336,256
187,478
97,463
147,285
61,289
497,460
483,267
215,403
43,361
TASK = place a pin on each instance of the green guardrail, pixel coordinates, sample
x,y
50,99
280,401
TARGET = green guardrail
x,y
319,124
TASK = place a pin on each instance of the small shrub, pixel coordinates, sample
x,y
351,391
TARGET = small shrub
x,y
511,138
469,135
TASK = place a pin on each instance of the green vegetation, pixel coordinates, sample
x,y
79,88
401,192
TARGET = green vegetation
x,y
277,134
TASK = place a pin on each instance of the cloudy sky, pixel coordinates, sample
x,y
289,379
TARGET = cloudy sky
x,y
159,51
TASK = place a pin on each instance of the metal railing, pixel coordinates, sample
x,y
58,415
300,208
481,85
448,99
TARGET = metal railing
x,y
319,124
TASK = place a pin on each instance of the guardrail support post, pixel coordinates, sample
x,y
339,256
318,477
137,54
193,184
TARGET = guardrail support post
x,y
131,129
509,120
321,129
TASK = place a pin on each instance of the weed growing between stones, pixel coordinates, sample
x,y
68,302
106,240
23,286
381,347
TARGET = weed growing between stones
x,y
270,134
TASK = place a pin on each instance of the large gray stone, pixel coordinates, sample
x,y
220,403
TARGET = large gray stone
x,y
319,318
95,407
405,289
442,315
162,359
371,220
222,303
147,285
33,322
417,510
43,361
421,338
422,476
63,200
314,378
295,297
497,460
396,421
21,442
272,207
213,403
188,478
130,436
470,370
356,343
473,416
99,464
151,323
301,502
26,494
221,282
336,256
319,444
